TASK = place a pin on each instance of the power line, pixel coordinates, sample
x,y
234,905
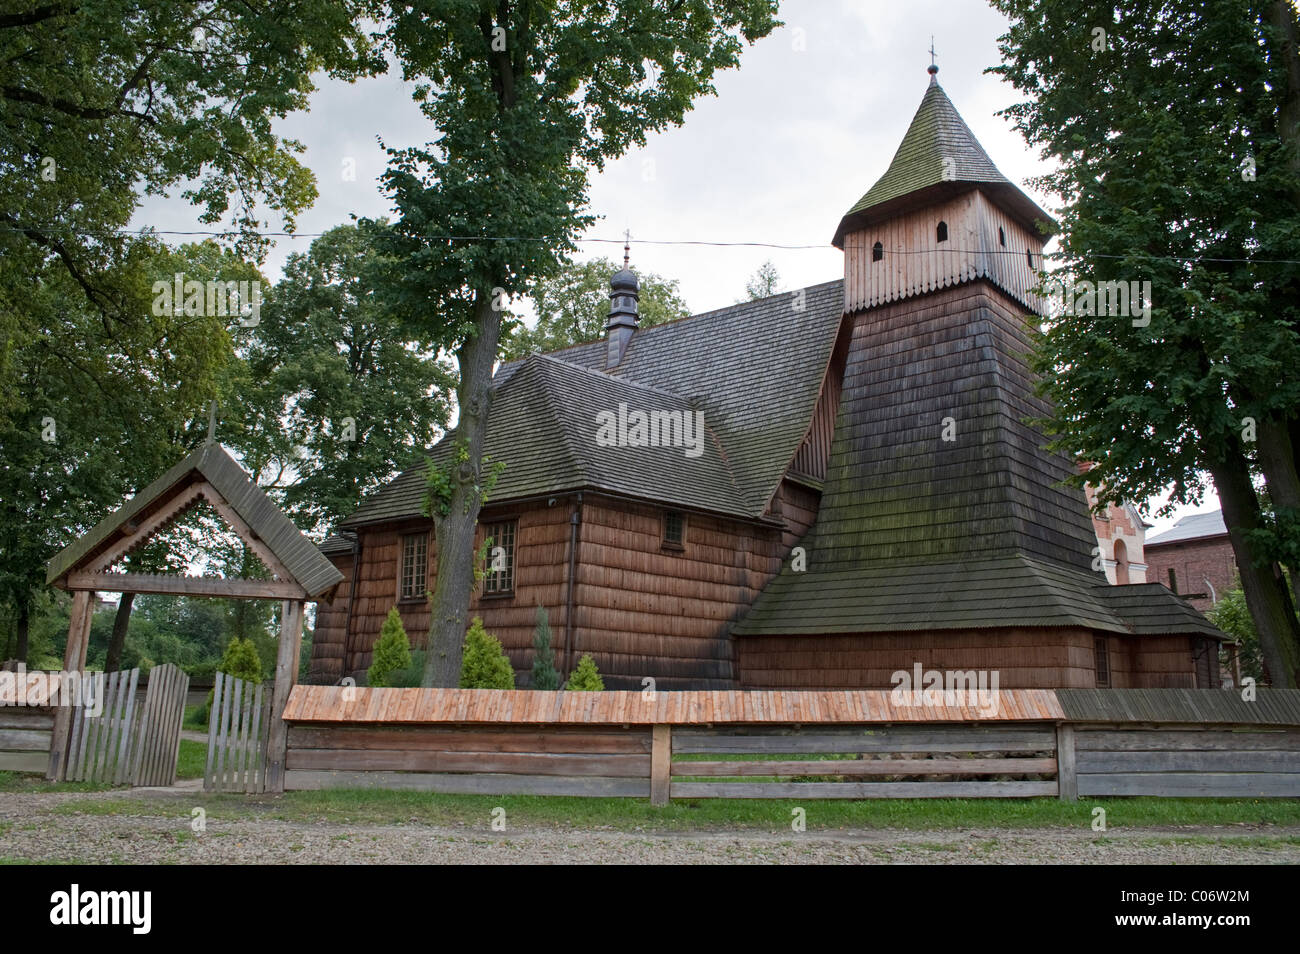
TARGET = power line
x,y
86,233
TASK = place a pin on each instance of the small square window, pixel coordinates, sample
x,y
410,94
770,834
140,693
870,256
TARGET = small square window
x,y
499,559
415,553
674,529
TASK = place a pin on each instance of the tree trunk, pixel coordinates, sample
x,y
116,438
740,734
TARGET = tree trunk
x,y
1266,596
24,628
121,622
1277,460
454,584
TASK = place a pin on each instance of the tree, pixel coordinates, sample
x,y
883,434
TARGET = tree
x,y
1232,615
334,398
573,305
392,651
485,664
1176,167
544,674
585,678
528,99
764,283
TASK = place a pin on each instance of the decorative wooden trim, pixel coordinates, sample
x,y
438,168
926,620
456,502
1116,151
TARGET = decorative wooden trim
x,y
136,534
236,522
184,586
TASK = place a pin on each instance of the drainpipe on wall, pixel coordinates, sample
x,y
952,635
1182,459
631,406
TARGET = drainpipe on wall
x,y
352,598
575,521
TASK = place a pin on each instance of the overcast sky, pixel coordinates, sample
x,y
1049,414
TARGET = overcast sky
x,y
792,139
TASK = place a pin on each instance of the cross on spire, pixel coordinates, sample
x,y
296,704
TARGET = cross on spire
x,y
932,49
627,246
932,69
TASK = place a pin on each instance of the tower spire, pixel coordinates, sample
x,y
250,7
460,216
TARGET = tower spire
x,y
627,246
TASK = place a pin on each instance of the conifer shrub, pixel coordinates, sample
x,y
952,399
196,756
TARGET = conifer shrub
x,y
485,664
544,674
392,651
585,678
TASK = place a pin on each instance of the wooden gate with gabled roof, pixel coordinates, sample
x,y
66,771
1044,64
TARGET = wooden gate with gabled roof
x,y
299,573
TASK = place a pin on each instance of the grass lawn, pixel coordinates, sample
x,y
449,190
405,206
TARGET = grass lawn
x,y
629,814
192,759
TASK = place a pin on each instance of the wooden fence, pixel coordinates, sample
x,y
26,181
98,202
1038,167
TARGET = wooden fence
x,y
792,744
25,738
124,740
238,727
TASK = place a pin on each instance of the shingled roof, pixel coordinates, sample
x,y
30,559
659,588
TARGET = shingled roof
x,y
918,172
307,565
753,370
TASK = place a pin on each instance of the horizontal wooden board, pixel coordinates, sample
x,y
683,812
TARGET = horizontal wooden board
x,y
505,763
24,740
352,705
871,767
863,789
891,740
1154,740
1186,784
552,739
1188,761
297,780
18,717
24,761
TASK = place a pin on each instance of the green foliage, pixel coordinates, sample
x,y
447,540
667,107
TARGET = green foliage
x,y
544,674
242,661
1232,616
392,651
763,283
573,304
585,678
484,664
412,675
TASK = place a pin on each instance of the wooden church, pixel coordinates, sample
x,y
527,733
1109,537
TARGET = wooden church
x,y
813,490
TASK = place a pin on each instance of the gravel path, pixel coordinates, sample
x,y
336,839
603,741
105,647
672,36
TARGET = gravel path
x,y
32,828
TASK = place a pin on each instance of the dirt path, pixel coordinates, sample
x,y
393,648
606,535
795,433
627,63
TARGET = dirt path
x,y
40,827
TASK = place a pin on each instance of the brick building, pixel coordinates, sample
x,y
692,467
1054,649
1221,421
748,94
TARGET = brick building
x,y
1194,559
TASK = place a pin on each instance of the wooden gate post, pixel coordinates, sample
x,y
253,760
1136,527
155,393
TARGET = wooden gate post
x,y
286,675
1066,776
74,660
661,759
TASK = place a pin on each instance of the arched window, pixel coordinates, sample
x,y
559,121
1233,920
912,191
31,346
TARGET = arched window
x,y
877,252
1029,257
1002,236
941,233
1121,563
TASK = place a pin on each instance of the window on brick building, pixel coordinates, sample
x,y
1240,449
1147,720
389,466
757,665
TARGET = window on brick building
x,y
415,556
1173,581
1121,563
1101,652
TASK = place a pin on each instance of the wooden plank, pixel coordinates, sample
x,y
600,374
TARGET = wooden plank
x,y
862,789
1189,739
882,741
82,582
661,758
125,756
552,739
502,763
209,777
1186,784
1067,776
1185,761
286,674
26,718
73,661
23,740
223,731
24,761
470,784
257,766
1040,766
236,779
